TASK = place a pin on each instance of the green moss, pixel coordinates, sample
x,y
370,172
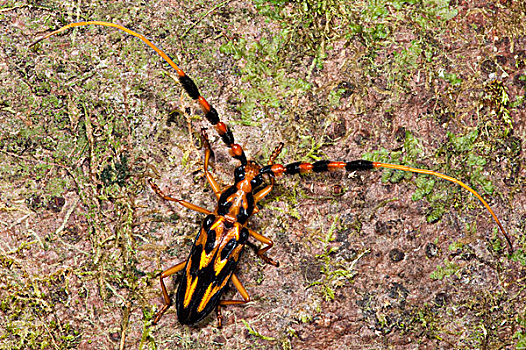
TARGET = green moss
x,y
253,332
336,273
265,68
520,335
441,272
315,25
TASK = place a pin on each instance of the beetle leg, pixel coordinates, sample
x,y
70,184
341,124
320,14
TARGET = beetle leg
x,y
167,302
208,153
261,252
267,189
180,201
241,290
263,192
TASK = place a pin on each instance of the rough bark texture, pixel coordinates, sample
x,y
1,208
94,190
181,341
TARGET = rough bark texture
x,y
376,260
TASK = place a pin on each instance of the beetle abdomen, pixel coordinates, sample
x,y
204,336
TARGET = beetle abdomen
x,y
212,260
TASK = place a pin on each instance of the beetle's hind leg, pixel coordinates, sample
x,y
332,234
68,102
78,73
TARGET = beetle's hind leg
x,y
166,298
241,290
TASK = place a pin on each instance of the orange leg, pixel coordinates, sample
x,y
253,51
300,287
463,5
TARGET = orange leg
x,y
180,201
267,189
241,290
167,302
264,192
261,252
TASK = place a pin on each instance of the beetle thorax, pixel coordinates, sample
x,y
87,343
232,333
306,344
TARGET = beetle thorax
x,y
251,171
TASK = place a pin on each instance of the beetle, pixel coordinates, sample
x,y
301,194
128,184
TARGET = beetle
x,y
219,243
224,233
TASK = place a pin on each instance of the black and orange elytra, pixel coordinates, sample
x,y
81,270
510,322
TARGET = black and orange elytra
x,y
224,233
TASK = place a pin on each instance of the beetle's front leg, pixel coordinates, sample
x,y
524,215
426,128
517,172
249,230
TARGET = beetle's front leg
x,y
185,204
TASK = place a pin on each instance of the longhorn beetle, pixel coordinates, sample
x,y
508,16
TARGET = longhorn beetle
x,y
224,232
